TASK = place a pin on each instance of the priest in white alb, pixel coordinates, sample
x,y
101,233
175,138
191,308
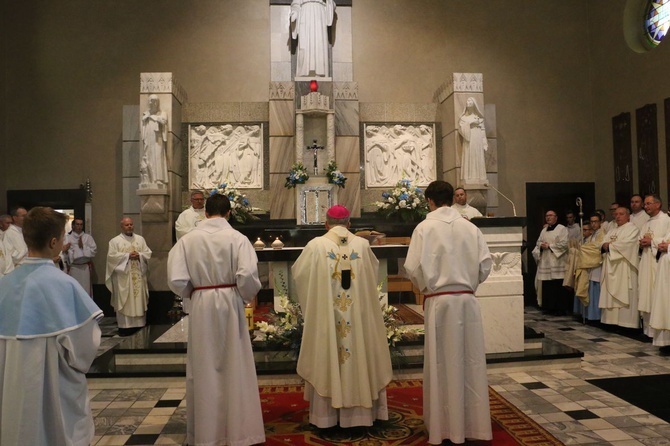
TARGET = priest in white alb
x,y
49,336
659,319
215,266
447,260
619,284
344,357
551,255
650,236
80,255
126,277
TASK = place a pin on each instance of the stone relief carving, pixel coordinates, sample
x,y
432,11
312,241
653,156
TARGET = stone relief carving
x,y
153,161
393,152
506,264
282,90
226,153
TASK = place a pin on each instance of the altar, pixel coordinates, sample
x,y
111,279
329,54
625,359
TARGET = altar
x,y
500,296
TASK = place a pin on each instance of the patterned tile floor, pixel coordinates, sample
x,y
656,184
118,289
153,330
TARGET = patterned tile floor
x,y
147,411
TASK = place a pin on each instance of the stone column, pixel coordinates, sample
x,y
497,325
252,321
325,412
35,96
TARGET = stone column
x,y
452,97
160,201
282,147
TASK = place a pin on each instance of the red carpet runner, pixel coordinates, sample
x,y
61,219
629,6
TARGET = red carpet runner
x,y
286,421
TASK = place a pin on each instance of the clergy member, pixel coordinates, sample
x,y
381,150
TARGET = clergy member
x,y
551,255
216,267
344,357
650,236
49,336
462,206
659,319
588,271
13,237
447,260
190,218
80,255
618,285
6,263
126,277
638,216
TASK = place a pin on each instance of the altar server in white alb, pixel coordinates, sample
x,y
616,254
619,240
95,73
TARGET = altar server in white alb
x,y
126,277
216,267
618,284
191,217
344,356
80,255
49,337
447,260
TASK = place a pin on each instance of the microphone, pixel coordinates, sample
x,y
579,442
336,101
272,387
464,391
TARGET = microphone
x,y
487,184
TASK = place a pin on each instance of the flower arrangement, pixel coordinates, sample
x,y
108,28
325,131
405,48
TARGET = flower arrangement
x,y
241,209
404,200
334,175
284,329
297,175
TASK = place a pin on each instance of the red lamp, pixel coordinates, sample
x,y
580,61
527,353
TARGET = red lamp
x,y
313,86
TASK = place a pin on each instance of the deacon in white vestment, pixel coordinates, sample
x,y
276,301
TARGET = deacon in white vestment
x,y
447,260
344,356
49,336
80,255
192,216
551,255
126,276
216,266
651,235
13,237
659,319
618,284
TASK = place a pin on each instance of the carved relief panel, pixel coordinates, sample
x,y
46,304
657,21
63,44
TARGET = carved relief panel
x,y
231,153
396,151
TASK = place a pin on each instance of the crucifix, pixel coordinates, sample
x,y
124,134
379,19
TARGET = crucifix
x,y
316,149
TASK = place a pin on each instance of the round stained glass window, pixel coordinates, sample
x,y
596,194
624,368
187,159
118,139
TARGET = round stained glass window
x,y
656,20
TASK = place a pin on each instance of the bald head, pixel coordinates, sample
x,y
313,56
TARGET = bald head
x,y
127,226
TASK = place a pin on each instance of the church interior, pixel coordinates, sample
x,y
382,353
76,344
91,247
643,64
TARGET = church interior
x,y
554,81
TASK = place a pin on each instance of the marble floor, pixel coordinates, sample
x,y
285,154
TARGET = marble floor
x,y
147,411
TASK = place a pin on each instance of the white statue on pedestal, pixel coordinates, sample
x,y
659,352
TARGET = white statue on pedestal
x,y
310,20
153,162
471,128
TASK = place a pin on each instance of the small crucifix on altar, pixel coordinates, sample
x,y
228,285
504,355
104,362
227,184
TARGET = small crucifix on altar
x,y
316,148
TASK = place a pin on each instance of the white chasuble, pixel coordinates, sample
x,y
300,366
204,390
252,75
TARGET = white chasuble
x,y
126,278
344,354
655,228
222,401
618,285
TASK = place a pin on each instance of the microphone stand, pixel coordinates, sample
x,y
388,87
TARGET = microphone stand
x,y
502,195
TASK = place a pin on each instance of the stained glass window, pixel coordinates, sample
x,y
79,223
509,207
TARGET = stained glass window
x,y
656,20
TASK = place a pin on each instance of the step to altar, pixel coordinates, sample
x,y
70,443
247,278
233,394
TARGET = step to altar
x,y
139,355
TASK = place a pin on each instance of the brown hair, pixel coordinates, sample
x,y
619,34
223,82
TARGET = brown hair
x,y
41,225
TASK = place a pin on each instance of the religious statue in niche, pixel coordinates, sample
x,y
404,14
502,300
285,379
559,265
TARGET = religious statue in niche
x,y
226,153
471,128
310,20
153,161
399,151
